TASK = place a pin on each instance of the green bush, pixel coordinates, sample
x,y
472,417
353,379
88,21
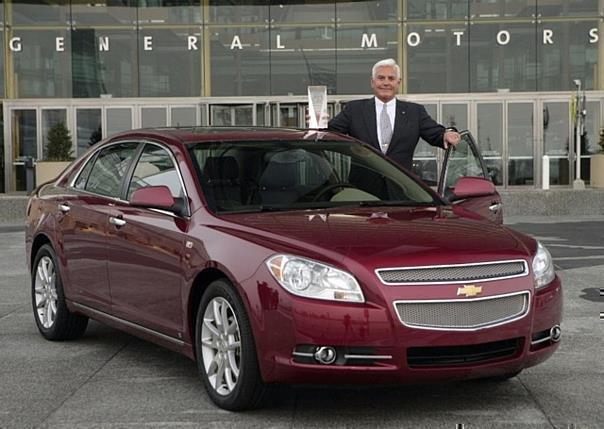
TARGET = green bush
x,y
601,142
59,146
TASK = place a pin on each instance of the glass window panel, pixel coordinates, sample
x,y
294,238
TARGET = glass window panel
x,y
40,12
520,144
490,138
463,162
155,168
88,128
285,11
83,177
556,123
41,71
568,8
24,135
118,119
184,116
437,9
570,55
510,66
1,65
455,115
165,48
359,48
111,72
592,129
103,12
308,57
424,158
153,117
169,12
437,64
366,10
244,115
235,71
50,118
238,12
109,168
221,116
502,8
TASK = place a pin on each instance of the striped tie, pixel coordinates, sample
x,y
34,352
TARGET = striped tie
x,y
385,129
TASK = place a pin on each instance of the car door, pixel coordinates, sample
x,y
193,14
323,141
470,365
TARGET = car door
x,y
83,224
145,249
465,160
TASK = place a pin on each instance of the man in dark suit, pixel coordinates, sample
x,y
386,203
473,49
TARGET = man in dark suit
x,y
391,125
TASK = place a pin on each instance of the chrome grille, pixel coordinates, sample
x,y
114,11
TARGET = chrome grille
x,y
454,273
463,314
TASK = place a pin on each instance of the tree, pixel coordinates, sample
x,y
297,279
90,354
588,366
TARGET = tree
x,y
59,147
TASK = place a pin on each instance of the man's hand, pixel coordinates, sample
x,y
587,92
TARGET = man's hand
x,y
451,138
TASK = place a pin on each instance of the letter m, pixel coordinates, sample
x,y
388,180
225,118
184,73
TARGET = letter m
x,y
369,42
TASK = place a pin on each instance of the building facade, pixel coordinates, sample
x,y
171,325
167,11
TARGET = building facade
x,y
504,69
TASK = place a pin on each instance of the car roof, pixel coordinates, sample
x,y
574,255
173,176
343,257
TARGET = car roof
x,y
212,134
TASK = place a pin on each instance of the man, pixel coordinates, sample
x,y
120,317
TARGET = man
x,y
391,125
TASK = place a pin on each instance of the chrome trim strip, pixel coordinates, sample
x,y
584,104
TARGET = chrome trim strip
x,y
525,311
377,272
302,354
367,357
542,340
129,324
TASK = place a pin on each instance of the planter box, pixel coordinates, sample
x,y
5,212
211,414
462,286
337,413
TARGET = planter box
x,y
597,170
49,170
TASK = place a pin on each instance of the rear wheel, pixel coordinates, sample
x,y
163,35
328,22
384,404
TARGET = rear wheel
x,y
226,353
55,322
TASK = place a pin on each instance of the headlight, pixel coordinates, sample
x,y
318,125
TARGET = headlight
x,y
543,267
312,279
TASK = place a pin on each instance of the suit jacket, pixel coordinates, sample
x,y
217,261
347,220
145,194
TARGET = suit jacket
x,y
358,119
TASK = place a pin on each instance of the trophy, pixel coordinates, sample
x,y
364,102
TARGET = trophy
x,y
317,106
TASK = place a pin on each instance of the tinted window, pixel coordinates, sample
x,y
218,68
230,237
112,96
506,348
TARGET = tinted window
x,y
290,175
110,167
81,182
155,168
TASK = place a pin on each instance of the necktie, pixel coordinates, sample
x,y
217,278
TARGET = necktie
x,y
385,129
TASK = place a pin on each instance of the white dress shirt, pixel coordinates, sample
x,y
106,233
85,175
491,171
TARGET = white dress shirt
x,y
391,107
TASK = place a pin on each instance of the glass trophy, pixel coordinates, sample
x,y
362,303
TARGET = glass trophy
x,y
317,106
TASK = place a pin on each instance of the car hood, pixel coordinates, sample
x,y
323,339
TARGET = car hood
x,y
384,237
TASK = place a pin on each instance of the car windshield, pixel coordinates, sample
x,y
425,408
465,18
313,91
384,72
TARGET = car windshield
x,y
254,176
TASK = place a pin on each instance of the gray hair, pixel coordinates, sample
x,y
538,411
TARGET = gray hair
x,y
389,62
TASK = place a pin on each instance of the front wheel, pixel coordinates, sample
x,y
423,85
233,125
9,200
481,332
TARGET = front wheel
x,y
226,353
53,318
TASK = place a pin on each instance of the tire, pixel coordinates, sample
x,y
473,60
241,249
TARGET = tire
x,y
226,353
55,322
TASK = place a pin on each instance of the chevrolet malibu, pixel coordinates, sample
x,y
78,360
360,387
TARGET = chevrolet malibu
x,y
290,256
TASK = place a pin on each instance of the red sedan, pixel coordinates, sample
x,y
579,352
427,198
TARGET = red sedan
x,y
290,256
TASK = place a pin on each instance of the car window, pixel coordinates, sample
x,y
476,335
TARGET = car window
x,y
83,177
155,167
109,169
463,162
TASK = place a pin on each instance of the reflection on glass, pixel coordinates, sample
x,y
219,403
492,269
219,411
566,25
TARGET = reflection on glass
x,y
118,119
169,12
462,162
556,129
490,138
159,51
455,115
359,48
88,129
301,57
503,57
105,12
437,64
239,61
437,9
1,78
229,115
570,55
243,115
24,127
366,10
50,118
238,12
184,116
520,144
587,8
592,129
112,71
34,12
285,11
40,70
424,157
153,117
490,9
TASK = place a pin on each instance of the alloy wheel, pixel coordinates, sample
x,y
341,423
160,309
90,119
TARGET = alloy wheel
x,y
46,292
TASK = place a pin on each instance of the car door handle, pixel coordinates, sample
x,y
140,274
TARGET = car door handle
x,y
495,207
117,221
64,207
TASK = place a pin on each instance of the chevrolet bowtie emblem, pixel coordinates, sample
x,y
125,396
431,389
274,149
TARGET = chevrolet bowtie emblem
x,y
469,290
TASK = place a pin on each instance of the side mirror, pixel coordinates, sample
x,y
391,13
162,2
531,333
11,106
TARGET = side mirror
x,y
467,187
155,197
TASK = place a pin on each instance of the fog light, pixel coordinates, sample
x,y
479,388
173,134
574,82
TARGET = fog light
x,y
555,333
325,355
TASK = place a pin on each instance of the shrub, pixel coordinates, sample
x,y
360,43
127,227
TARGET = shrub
x,y
59,147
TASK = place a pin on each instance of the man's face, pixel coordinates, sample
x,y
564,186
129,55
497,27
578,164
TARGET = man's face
x,y
385,83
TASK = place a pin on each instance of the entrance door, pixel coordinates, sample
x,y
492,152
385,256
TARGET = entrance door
x,y
556,142
24,146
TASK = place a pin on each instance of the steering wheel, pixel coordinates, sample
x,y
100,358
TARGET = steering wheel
x,y
332,186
